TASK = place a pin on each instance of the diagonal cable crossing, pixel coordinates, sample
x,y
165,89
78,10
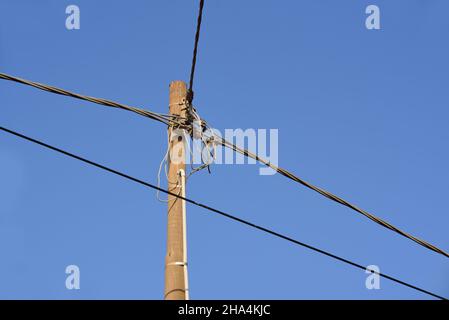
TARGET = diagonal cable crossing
x,y
183,123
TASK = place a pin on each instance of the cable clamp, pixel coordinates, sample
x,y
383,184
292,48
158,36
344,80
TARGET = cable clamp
x,y
181,264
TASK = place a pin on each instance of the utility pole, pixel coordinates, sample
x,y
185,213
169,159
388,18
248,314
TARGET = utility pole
x,y
176,284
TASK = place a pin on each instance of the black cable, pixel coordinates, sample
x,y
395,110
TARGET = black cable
x,y
195,50
331,196
167,119
222,213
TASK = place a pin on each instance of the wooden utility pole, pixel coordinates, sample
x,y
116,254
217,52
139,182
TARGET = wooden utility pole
x,y
176,258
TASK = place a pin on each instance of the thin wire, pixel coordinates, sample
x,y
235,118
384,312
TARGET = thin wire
x,y
200,150
167,119
330,196
164,160
197,133
195,47
222,213
163,163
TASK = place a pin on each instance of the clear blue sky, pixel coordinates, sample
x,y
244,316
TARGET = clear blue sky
x,y
361,113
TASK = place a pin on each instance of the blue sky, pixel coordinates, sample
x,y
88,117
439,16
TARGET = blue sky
x,y
362,113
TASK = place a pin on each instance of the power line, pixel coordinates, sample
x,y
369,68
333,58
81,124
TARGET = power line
x,y
331,196
195,49
149,114
180,122
222,213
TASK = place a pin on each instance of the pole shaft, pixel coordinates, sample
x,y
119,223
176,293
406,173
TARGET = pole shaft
x,y
175,275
